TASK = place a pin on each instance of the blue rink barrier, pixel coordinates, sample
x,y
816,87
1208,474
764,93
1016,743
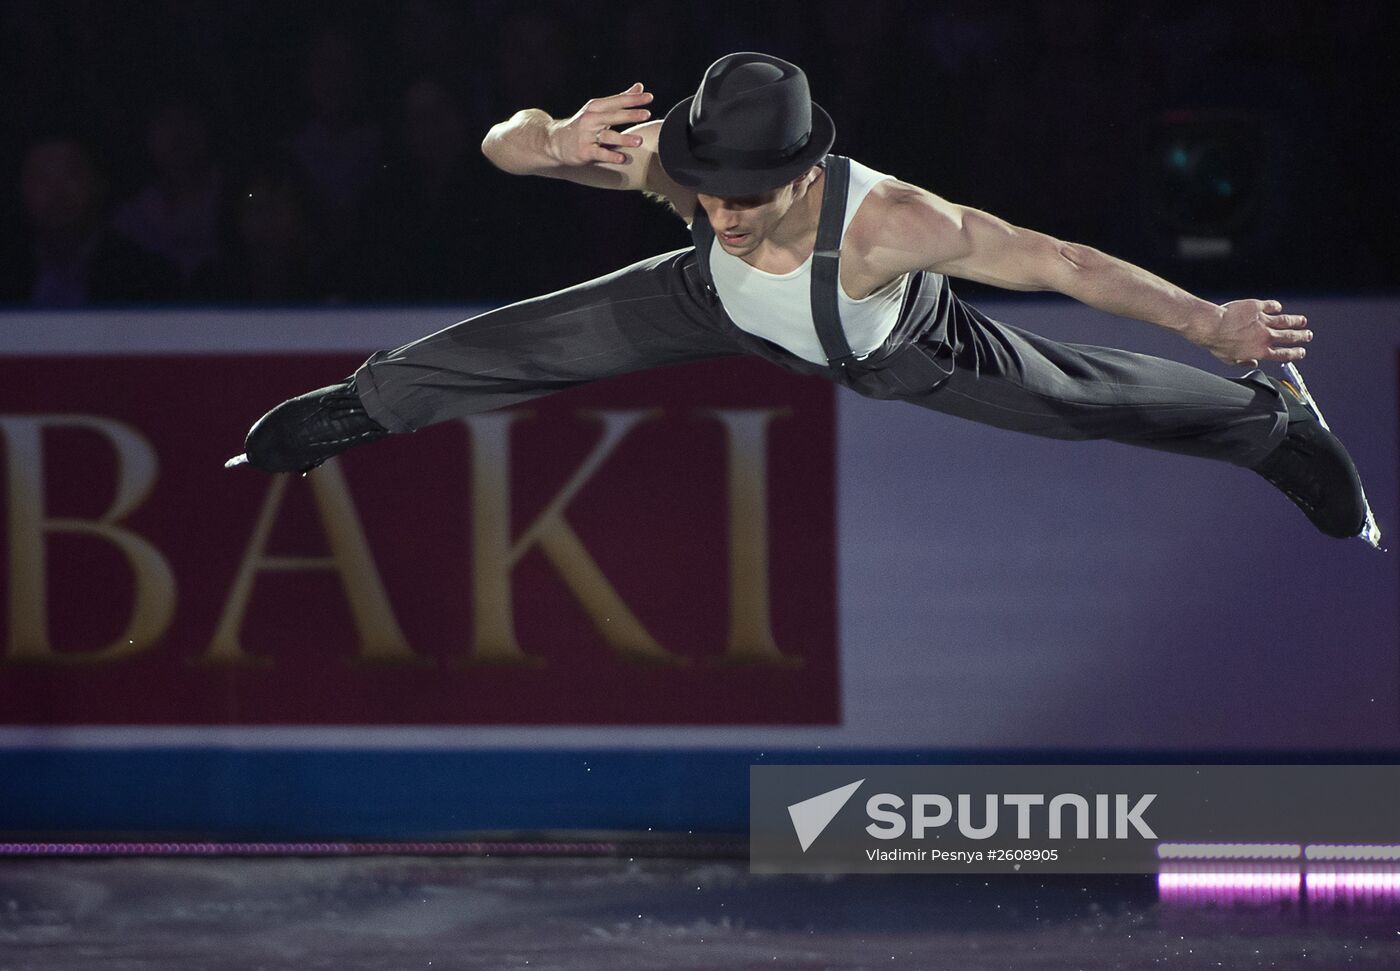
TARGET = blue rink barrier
x,y
354,794
384,794
297,795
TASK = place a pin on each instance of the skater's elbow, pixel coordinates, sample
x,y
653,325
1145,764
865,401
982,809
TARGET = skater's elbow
x,y
495,146
1074,257
491,148
517,145
1071,262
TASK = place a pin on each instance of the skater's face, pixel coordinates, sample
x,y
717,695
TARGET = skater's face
x,y
742,224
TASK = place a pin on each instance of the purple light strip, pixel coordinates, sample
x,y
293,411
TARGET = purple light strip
x,y
1233,885
1349,886
483,848
1287,882
1364,889
1387,881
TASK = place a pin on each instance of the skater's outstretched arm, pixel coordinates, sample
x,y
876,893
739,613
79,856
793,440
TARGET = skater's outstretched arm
x,y
588,149
919,230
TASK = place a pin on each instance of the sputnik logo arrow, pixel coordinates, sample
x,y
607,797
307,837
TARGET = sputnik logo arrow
x,y
811,816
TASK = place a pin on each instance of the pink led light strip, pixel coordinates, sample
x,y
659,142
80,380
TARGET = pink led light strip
x,y
439,848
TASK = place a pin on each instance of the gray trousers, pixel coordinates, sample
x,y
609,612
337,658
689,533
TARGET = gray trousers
x,y
944,355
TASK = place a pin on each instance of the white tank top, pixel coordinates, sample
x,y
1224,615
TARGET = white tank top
x,y
778,306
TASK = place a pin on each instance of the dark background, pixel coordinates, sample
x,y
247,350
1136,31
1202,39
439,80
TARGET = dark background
x,y
198,151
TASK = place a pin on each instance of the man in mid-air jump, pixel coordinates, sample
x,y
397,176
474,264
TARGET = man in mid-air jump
x,y
824,266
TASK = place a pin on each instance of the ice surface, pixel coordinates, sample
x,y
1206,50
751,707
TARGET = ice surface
x,y
620,915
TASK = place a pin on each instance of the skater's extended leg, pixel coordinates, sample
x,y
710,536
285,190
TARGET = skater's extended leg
x,y
646,315
1003,376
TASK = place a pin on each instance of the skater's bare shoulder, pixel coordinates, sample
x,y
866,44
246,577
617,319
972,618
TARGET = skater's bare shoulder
x,y
902,228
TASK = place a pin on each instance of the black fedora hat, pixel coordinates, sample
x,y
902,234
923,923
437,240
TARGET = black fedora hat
x,y
749,128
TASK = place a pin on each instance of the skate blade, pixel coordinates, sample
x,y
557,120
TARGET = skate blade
x,y
236,461
1371,531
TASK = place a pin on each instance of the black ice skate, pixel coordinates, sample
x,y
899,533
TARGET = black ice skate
x,y
300,434
1312,468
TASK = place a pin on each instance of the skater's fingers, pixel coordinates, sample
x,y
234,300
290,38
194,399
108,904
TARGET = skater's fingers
x,y
621,116
635,95
601,153
1294,321
1283,354
609,137
1289,336
631,98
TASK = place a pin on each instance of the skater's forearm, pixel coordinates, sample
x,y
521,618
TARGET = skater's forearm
x,y
1239,332
530,142
520,145
585,148
1114,286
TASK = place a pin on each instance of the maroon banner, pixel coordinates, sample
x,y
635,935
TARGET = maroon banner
x,y
658,549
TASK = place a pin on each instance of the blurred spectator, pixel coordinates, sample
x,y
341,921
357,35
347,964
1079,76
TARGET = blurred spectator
x,y
72,258
655,41
433,37
1062,150
421,243
534,62
176,214
545,234
1358,181
267,256
1041,112
337,148
1178,43
851,85
656,49
962,48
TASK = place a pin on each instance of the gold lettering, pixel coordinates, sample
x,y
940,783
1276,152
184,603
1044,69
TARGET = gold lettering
x,y
154,600
378,631
750,621
494,556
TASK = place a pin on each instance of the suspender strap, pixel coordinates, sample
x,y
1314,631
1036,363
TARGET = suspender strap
x,y
702,234
826,263
826,259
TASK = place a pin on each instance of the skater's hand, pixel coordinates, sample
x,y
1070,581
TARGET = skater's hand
x,y
1249,331
588,137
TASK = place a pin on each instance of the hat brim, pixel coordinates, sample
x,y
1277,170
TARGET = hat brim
x,y
711,178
